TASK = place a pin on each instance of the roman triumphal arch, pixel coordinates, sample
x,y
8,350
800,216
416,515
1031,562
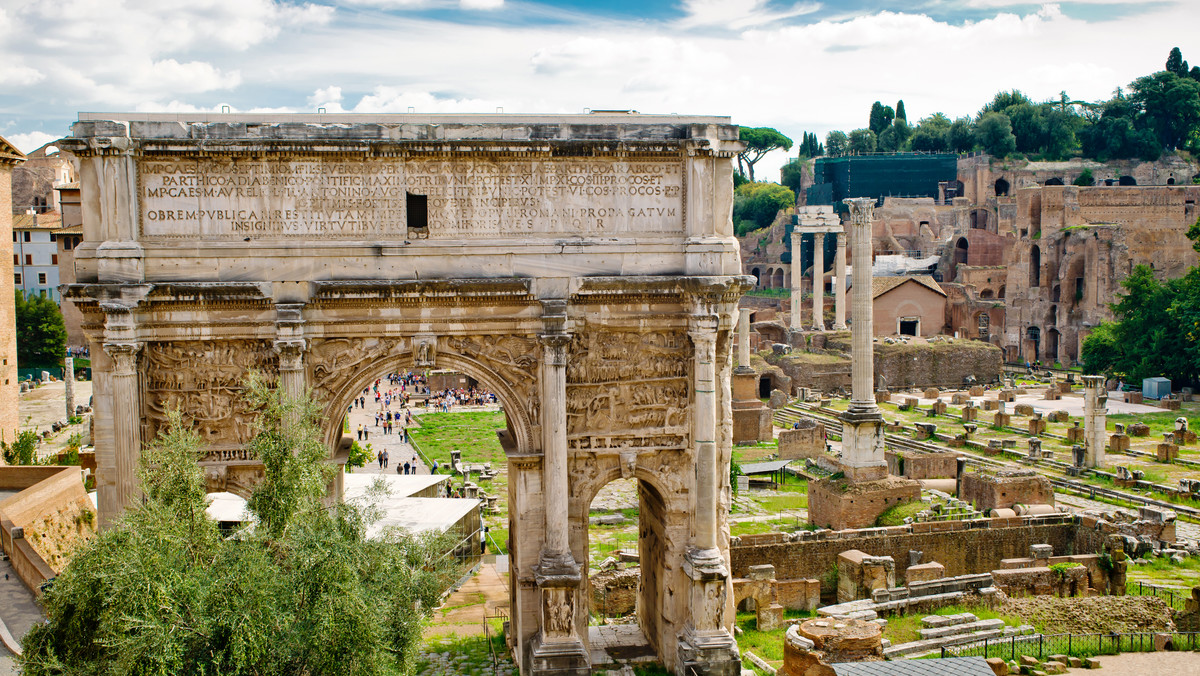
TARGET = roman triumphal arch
x,y
583,267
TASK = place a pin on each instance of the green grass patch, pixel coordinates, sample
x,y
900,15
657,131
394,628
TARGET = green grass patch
x,y
472,432
903,628
894,516
472,652
766,644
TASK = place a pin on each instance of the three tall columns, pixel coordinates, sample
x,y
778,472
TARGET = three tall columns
x,y
818,276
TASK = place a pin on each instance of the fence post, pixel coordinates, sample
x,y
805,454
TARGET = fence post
x,y
1069,644
1014,648
1041,640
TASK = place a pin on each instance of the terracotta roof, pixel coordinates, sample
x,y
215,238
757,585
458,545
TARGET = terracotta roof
x,y
884,284
50,220
9,152
70,230
74,185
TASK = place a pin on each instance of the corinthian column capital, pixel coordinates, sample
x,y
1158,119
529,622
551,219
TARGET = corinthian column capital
x,y
124,357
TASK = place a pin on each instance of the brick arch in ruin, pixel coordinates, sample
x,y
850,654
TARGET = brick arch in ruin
x,y
329,250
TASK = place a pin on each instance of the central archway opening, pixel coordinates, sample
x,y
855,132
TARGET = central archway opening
x,y
626,545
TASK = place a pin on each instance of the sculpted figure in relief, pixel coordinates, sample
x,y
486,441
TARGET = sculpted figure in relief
x,y
204,380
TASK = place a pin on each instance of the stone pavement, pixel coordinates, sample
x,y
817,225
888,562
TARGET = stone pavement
x,y
19,611
46,405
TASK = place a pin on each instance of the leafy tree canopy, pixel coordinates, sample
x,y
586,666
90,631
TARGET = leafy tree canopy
x,y
836,143
41,334
861,141
759,141
755,205
303,592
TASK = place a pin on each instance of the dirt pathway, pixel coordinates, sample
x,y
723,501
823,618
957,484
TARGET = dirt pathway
x,y
463,612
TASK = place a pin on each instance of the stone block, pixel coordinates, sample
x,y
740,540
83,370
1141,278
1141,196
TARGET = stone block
x,y
1118,443
1133,397
938,407
970,414
1064,387
1023,409
1091,663
990,404
1054,667
1006,488
1075,434
1052,394
1167,452
798,594
977,391
1002,420
1059,416
926,430
769,617
999,666
959,398
932,393
808,441
1028,661
924,572
1007,396
1139,430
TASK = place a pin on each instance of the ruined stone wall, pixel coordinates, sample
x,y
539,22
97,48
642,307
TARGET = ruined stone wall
x,y
1074,247
944,363
963,547
912,225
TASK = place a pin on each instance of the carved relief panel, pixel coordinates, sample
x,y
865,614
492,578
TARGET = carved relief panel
x,y
628,390
336,362
204,379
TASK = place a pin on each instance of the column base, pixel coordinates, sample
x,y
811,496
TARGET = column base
x,y
558,657
840,327
711,653
818,327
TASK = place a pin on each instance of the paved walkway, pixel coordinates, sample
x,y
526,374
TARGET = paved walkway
x,y
18,610
463,611
1183,529
1147,664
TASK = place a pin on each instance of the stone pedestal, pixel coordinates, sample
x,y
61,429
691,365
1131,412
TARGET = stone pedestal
x,y
1118,443
706,647
1037,426
751,419
970,414
1167,452
1002,420
841,504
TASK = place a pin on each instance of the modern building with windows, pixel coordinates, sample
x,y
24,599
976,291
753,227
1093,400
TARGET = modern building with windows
x,y
35,254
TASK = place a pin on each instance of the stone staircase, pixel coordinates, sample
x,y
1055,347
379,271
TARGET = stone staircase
x,y
951,630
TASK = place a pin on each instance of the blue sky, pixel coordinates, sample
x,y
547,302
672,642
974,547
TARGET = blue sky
x,y
797,65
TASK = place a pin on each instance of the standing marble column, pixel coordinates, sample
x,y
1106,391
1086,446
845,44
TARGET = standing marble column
x,y
743,329
127,419
706,646
290,344
704,428
554,446
818,281
863,396
862,424
558,648
1095,419
839,269
797,283
69,385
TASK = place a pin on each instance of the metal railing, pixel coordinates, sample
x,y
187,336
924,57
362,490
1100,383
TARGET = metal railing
x,y
1042,646
1172,596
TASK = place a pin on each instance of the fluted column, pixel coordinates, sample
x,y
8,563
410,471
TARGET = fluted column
x,y
797,283
743,329
703,331
839,269
127,419
818,281
863,395
554,445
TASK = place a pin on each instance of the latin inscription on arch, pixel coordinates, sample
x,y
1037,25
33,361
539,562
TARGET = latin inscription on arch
x,y
214,198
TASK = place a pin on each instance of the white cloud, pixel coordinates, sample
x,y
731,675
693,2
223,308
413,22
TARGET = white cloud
x,y
14,74
31,141
481,4
329,98
386,99
738,14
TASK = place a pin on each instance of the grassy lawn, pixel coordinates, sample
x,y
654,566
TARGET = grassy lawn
x,y
903,628
472,432
766,644
894,516
783,525
1161,571
467,654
